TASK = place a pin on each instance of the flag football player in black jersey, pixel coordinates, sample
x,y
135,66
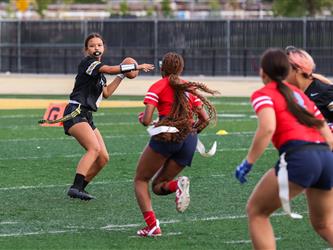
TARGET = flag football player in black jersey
x,y
317,87
89,89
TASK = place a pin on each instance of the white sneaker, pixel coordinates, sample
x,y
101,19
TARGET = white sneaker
x,y
183,194
150,232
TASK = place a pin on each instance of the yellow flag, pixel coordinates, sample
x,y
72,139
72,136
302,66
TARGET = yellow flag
x,y
22,5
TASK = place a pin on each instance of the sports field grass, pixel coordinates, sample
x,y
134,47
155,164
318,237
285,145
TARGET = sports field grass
x,y
37,165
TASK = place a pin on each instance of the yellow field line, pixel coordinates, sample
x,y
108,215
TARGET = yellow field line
x,y
44,103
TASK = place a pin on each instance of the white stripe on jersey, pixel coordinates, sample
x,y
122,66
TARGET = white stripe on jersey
x,y
260,98
152,94
317,113
197,100
91,67
262,102
151,98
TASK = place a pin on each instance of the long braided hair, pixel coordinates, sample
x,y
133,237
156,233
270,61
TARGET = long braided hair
x,y
182,116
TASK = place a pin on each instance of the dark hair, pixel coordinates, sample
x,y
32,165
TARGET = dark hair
x,y
275,63
90,36
181,114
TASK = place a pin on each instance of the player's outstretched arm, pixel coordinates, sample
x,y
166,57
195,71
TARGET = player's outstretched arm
x,y
124,68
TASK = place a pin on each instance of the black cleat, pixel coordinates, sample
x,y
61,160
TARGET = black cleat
x,y
77,194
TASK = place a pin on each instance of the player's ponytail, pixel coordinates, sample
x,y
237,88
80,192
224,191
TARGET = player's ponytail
x,y
275,64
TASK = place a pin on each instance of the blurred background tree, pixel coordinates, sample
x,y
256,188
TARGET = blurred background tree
x,y
166,8
41,6
299,8
123,7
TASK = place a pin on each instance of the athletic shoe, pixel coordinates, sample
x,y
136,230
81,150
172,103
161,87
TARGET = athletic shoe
x,y
76,193
150,232
183,194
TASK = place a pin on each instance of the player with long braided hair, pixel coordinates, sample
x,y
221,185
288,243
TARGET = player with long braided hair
x,y
182,115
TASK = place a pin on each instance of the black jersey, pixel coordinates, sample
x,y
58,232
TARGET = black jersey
x,y
322,95
89,84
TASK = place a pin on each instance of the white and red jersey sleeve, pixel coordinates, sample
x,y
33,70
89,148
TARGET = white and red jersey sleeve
x,y
153,93
195,101
151,98
260,100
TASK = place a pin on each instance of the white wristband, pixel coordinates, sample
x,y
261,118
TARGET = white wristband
x,y
121,76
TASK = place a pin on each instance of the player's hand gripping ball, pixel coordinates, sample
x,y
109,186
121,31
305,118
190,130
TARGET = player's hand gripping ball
x,y
134,73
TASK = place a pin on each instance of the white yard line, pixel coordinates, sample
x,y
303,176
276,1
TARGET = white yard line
x,y
80,155
113,227
61,185
244,241
37,233
110,137
111,154
8,222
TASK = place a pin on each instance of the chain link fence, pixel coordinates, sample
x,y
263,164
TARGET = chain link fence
x,y
209,47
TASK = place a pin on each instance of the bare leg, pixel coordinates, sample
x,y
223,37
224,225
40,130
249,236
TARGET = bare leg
x,y
102,159
263,201
320,204
149,163
84,134
167,173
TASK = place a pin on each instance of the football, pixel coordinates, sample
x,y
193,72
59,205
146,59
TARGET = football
x,y
131,74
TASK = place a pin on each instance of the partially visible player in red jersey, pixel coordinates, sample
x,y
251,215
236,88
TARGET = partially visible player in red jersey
x,y
173,141
296,128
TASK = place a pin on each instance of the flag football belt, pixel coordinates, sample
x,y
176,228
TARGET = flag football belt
x,y
282,175
70,116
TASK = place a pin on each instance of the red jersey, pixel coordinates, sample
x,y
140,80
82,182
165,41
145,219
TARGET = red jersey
x,y
287,126
161,95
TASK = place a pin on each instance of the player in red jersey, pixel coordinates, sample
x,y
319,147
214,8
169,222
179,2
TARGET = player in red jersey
x,y
173,141
296,128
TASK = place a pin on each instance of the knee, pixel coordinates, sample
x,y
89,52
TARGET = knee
x,y
323,228
94,150
159,188
250,209
103,159
253,210
140,179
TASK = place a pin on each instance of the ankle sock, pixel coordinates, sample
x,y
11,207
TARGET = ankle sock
x,y
85,184
172,186
150,218
78,181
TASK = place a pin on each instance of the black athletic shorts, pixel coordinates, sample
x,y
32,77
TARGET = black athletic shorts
x,y
85,116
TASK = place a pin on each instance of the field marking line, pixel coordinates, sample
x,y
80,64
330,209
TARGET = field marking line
x,y
245,241
26,103
113,227
246,133
37,233
61,185
213,218
110,154
8,222
93,183
97,114
17,103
